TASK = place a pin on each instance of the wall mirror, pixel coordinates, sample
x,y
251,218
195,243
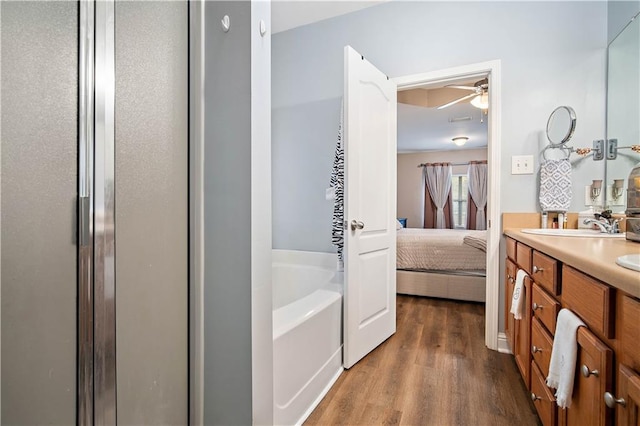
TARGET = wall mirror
x,y
623,111
561,125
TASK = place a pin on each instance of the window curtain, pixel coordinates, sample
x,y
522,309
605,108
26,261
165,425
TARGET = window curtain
x,y
438,198
477,202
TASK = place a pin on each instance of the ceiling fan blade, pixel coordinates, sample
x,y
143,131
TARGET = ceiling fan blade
x,y
462,87
457,100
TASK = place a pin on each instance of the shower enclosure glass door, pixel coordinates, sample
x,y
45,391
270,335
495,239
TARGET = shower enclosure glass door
x,y
94,212
38,223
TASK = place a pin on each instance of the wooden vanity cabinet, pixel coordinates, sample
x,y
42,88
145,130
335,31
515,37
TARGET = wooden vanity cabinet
x,y
608,359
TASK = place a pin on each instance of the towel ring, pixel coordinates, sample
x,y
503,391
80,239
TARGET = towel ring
x,y
565,149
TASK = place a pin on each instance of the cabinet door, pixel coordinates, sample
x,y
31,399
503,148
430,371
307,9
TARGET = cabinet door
x,y
628,392
542,397
592,380
522,347
509,281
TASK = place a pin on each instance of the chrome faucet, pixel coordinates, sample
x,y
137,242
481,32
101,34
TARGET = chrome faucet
x,y
605,226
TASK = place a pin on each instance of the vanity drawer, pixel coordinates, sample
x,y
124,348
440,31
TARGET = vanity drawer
x,y
545,308
545,272
523,257
629,314
590,299
541,345
542,397
511,248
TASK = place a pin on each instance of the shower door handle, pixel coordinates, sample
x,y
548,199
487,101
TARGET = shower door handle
x,y
356,225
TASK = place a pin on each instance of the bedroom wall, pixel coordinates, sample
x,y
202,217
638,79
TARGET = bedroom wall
x,y
410,186
552,53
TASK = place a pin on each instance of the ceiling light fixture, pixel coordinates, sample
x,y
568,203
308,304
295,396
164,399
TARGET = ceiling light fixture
x,y
481,101
460,140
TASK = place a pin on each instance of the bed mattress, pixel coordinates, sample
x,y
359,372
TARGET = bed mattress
x,y
438,250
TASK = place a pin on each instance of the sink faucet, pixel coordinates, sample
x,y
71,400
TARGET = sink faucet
x,y
605,226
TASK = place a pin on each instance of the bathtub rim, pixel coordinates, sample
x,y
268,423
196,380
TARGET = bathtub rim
x,y
316,259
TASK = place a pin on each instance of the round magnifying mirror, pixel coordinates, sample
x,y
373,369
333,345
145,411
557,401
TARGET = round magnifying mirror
x,y
561,125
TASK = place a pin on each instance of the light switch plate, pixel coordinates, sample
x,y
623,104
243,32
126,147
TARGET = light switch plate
x,y
522,165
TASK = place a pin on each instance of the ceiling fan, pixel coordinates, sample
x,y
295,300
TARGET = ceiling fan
x,y
480,95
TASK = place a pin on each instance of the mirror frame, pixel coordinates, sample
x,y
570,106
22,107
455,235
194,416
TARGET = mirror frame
x,y
570,131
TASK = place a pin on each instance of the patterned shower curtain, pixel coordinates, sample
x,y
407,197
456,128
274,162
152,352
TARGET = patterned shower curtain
x,y
337,184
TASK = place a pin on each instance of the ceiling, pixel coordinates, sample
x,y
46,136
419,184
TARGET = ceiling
x,y
430,129
420,128
423,127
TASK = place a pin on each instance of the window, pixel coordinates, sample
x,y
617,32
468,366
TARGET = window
x,y
460,195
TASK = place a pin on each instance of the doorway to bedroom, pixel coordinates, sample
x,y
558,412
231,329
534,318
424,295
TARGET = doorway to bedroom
x,y
446,176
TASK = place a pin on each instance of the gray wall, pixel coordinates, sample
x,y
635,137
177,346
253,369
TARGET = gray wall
x,y
619,13
227,216
553,53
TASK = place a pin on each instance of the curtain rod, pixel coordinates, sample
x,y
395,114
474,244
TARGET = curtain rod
x,y
455,164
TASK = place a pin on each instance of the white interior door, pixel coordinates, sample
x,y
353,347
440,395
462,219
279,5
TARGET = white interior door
x,y
370,207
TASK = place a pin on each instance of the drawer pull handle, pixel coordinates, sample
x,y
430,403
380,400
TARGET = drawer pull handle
x,y
535,397
536,269
535,349
586,372
536,306
611,400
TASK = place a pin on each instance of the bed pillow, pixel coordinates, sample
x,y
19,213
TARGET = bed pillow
x,y
398,225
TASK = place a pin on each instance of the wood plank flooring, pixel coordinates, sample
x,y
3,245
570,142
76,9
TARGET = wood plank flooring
x,y
434,371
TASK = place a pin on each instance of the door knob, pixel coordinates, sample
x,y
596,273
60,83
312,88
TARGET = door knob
x,y
536,269
535,306
611,400
586,371
355,224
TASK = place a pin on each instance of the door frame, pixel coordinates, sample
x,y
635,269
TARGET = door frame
x,y
492,69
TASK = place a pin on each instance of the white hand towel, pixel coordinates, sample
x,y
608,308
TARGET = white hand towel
x,y
517,302
562,366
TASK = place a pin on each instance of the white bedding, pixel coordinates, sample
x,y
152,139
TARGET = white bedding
x,y
438,249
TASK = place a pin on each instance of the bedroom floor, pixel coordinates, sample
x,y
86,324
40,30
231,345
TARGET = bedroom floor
x,y
434,371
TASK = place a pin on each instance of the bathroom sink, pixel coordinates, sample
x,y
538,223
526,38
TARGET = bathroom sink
x,y
630,261
572,233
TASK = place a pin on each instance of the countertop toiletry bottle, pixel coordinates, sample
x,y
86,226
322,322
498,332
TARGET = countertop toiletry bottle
x,y
554,225
543,220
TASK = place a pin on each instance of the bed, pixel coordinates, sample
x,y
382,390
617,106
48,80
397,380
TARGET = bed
x,y
445,263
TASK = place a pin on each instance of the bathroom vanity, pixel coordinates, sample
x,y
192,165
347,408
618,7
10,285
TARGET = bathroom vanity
x,y
579,274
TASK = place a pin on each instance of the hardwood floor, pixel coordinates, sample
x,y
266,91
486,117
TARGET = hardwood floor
x,y
434,371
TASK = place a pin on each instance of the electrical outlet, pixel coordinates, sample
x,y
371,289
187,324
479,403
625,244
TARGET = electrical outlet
x,y
522,165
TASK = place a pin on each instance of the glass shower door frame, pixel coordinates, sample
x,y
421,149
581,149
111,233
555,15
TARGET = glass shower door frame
x,y
96,248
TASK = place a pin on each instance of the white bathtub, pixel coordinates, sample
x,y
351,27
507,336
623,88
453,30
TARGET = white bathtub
x,y
307,332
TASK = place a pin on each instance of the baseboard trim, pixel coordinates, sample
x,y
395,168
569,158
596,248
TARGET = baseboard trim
x,y
503,345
